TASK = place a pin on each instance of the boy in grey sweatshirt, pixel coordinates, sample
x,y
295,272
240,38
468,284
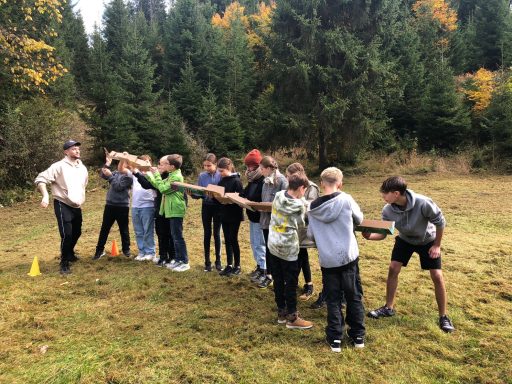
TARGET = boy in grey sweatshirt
x,y
283,242
331,224
420,223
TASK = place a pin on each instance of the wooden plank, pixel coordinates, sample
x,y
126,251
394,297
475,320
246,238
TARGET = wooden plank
x,y
237,199
143,165
376,226
260,206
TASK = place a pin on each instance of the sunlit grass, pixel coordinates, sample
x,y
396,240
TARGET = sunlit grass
x,y
119,321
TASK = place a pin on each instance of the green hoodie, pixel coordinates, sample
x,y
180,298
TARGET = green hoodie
x,y
173,202
286,220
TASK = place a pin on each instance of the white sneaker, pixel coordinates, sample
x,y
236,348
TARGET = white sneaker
x,y
173,264
148,258
140,257
182,267
156,259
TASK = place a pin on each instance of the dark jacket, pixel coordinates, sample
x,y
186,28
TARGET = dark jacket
x,y
231,213
119,192
253,192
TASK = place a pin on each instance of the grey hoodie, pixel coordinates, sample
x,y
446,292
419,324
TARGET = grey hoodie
x,y
331,226
417,223
286,219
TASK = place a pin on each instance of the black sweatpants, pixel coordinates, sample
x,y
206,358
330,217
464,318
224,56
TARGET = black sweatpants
x,y
286,277
165,241
111,214
304,265
209,214
69,220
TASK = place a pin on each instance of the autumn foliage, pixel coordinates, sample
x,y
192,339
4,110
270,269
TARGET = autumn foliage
x,y
437,10
482,84
29,58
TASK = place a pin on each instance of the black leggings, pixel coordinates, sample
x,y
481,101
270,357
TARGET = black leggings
x,y
112,214
165,242
209,214
231,239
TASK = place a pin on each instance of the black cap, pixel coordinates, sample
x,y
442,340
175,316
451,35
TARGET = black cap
x,y
70,143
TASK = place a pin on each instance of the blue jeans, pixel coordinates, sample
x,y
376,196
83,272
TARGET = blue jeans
x,y
180,246
144,228
258,244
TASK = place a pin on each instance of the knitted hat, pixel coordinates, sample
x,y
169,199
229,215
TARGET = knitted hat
x,y
253,158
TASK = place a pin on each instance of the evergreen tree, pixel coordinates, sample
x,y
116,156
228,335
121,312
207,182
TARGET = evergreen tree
x,y
187,96
115,21
186,38
444,121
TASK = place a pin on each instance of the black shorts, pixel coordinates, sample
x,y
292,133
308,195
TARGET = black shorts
x,y
402,252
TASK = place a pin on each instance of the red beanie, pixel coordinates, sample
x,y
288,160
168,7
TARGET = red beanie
x,y
253,158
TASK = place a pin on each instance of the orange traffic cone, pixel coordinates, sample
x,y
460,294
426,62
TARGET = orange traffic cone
x,y
34,269
115,250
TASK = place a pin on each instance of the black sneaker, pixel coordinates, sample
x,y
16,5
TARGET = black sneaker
x,y
265,282
256,278
161,263
207,268
358,341
255,273
64,270
334,344
381,312
236,271
127,254
319,303
226,271
98,255
218,266
446,324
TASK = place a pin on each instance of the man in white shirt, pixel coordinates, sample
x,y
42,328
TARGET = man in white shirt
x,y
68,179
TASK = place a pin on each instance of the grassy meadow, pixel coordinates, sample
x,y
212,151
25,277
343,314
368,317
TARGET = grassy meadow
x,y
120,321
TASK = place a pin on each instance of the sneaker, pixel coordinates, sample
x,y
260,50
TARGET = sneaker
x,y
161,263
127,254
255,273
335,344
256,278
207,268
98,255
319,303
358,341
264,282
139,257
147,258
281,316
218,266
237,271
381,312
182,267
446,324
307,292
228,271
64,270
296,322
172,264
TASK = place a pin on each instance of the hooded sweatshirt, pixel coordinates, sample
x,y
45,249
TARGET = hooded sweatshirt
x,y
286,220
331,226
416,223
271,185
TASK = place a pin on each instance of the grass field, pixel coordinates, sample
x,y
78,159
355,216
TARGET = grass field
x,y
120,321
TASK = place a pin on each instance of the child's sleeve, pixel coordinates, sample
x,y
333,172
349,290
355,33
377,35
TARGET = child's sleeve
x,y
433,213
357,214
164,186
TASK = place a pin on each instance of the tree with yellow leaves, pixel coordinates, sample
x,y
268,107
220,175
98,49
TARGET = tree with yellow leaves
x,y
480,91
25,29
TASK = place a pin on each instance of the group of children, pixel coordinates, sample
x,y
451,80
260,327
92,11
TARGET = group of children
x,y
300,218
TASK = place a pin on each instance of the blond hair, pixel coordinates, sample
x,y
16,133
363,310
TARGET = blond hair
x,y
331,176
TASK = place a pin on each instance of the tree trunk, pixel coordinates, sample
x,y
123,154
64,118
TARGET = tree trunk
x,y
322,147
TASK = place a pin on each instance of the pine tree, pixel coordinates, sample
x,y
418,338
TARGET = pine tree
x,y
115,21
187,96
444,121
